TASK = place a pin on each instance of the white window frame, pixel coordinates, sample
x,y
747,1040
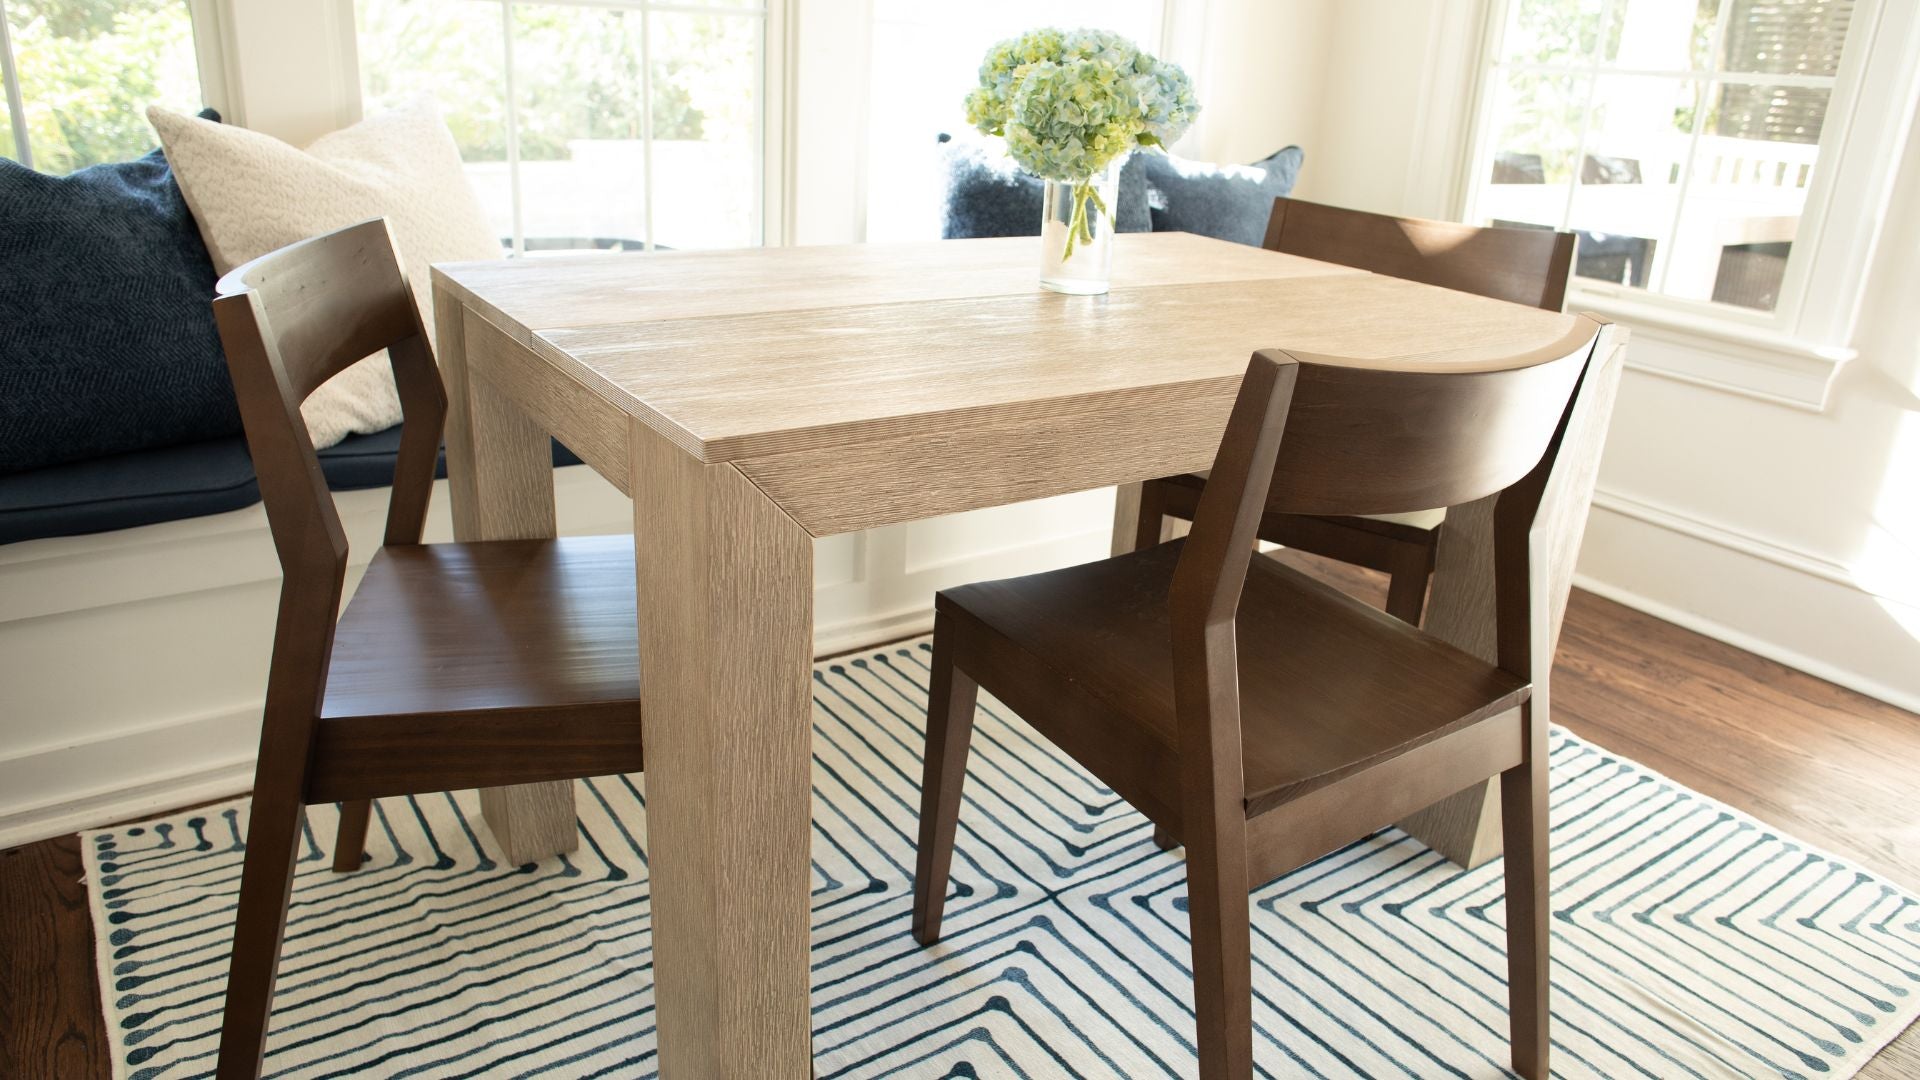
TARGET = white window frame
x,y
1791,354
10,81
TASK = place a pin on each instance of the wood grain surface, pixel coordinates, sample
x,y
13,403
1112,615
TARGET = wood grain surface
x,y
532,295
726,648
500,483
743,386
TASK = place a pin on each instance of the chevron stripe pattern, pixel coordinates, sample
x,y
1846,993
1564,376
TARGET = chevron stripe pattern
x,y
1689,940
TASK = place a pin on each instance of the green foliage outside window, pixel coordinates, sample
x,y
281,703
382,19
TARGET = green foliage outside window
x,y
577,71
89,69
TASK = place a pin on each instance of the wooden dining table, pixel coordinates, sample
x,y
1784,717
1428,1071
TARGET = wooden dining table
x,y
752,401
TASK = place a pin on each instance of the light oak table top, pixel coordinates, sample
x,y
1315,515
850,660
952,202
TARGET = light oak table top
x,y
751,401
750,356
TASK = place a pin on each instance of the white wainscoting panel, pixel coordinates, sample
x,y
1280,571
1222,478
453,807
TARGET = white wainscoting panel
x,y
133,663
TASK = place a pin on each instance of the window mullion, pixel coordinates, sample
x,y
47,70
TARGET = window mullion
x,y
1657,281
16,106
1586,113
646,127
518,228
1743,78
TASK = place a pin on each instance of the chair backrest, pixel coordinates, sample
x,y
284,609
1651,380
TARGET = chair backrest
x,y
293,319
1525,266
1311,435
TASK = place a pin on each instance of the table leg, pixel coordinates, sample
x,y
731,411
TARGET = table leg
x,y
1465,827
1126,517
726,633
500,473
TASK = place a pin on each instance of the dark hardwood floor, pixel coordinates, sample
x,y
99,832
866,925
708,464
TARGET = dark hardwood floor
x,y
1826,764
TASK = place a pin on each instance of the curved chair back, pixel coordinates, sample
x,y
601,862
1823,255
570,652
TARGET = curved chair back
x,y
1310,435
1362,440
1526,266
290,321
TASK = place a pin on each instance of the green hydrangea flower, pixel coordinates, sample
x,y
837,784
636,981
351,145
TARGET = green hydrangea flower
x,y
1069,103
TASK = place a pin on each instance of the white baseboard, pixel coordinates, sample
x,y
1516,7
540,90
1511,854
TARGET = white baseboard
x,y
126,803
853,634
1803,610
1740,639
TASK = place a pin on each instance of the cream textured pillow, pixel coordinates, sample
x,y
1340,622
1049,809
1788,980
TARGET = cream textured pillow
x,y
252,193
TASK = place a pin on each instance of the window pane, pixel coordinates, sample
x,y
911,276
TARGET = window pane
x,y
1661,35
451,51
1536,135
1770,113
6,134
1750,177
925,58
88,71
1629,191
706,130
1786,37
1552,31
578,95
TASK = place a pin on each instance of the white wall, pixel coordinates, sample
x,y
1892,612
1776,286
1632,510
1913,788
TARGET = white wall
x,y
1790,532
1393,105
1259,67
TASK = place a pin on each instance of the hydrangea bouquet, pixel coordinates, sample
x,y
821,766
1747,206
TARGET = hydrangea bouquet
x,y
1071,102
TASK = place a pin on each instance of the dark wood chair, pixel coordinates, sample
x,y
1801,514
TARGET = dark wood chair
x,y
454,666
1525,266
1265,719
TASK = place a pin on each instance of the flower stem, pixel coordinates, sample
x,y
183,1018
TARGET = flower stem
x,y
1080,223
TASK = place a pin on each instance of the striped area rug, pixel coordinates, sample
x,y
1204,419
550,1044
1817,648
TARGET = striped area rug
x,y
1690,940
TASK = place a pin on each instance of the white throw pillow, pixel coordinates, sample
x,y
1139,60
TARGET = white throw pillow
x,y
252,193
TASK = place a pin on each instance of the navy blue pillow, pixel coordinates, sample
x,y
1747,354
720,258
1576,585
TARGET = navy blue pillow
x,y
988,195
107,342
1229,202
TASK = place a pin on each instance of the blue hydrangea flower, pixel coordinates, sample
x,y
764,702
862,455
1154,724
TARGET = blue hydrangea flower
x,y
1069,103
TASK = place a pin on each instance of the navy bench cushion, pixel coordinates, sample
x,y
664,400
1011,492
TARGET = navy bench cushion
x,y
151,486
125,490
988,196
1228,202
107,342
366,461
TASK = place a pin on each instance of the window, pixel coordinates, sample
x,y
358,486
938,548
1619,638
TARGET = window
x,y
80,74
1682,139
588,124
926,57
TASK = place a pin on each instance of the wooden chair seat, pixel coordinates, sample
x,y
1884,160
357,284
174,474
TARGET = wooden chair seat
x,y
481,665
503,624
1328,685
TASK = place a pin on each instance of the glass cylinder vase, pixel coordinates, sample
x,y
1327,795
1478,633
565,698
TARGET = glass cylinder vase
x,y
1076,231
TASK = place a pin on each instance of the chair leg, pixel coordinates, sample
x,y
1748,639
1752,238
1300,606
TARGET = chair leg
x,y
1407,582
1217,909
1163,839
350,842
950,709
1152,520
266,879
1523,802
